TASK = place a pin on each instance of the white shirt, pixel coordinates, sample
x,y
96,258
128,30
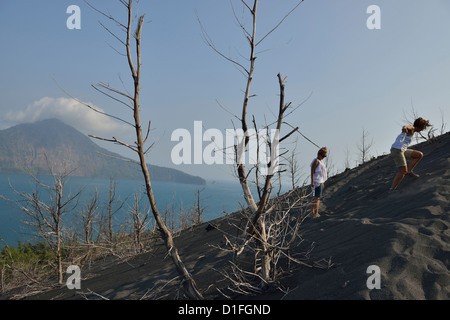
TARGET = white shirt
x,y
320,175
402,142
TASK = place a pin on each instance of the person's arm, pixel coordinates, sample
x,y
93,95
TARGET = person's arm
x,y
409,130
313,171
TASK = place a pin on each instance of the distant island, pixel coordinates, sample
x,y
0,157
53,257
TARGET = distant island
x,y
28,146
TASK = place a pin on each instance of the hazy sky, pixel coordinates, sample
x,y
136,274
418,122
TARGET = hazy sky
x,y
353,78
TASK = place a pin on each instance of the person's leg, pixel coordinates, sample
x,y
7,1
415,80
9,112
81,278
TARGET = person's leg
x,y
316,200
317,207
416,156
399,177
314,206
400,161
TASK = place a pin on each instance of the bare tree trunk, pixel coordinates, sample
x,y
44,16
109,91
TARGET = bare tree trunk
x,y
241,168
139,223
189,285
257,225
87,216
263,245
364,147
199,209
112,193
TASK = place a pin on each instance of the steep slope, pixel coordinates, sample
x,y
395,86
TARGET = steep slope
x,y
28,146
406,233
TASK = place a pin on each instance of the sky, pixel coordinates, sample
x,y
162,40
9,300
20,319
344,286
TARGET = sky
x,y
344,77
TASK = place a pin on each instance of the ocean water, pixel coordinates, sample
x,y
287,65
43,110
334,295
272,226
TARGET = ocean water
x,y
216,198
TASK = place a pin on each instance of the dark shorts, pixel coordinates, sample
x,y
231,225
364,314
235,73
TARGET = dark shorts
x,y
317,193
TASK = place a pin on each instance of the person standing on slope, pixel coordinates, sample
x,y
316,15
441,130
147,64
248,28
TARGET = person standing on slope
x,y
318,178
400,151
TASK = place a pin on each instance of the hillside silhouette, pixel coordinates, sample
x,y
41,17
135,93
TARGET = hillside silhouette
x,y
406,233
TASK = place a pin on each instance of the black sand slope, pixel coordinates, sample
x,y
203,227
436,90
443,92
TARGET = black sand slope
x,y
405,233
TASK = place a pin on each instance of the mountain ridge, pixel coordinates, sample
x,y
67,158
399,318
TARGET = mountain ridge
x,y
50,142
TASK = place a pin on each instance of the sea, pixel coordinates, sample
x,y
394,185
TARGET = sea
x,y
217,198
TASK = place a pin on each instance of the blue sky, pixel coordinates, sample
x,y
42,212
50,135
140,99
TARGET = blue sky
x,y
355,78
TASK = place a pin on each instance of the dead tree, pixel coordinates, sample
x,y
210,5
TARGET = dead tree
x,y
285,247
113,206
139,218
197,210
293,169
45,212
89,215
257,229
443,123
132,101
364,147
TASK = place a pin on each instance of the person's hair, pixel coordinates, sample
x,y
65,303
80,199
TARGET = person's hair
x,y
421,123
322,151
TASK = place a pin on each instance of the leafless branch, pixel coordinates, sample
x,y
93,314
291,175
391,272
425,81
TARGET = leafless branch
x,y
92,108
276,27
210,43
115,140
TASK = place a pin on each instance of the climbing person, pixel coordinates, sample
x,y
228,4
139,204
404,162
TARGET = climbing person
x,y
318,178
400,151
